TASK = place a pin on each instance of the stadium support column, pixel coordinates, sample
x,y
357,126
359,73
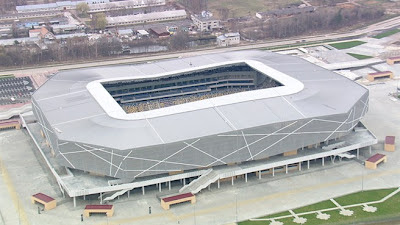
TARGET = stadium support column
x,y
273,171
259,174
358,153
308,164
323,161
74,201
245,177
286,168
218,183
129,193
299,166
169,185
370,150
159,187
143,190
101,198
232,181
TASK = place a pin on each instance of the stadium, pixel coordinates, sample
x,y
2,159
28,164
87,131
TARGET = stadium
x,y
185,115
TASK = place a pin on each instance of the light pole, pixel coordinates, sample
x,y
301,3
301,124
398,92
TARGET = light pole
x,y
362,176
236,213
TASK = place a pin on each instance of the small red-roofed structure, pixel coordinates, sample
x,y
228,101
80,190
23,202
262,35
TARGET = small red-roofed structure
x,y
107,209
373,161
47,201
168,201
393,60
383,74
390,143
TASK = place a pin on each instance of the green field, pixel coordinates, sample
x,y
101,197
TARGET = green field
x,y
386,33
7,76
345,45
388,209
239,8
360,57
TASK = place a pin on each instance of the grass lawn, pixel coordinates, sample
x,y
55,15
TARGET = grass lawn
x,y
360,57
388,209
386,33
7,76
345,45
239,8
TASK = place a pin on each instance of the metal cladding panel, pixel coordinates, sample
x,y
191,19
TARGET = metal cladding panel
x,y
141,133
236,146
248,114
200,122
71,108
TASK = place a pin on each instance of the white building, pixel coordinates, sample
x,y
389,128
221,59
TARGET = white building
x,y
146,18
228,39
205,22
130,4
56,6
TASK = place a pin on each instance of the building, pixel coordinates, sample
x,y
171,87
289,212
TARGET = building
x,y
228,39
153,17
205,22
123,5
142,33
41,33
57,6
160,32
186,114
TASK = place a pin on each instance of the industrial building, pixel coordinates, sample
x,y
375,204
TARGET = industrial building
x,y
146,18
214,117
228,39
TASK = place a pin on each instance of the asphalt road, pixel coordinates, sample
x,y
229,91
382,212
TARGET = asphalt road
x,y
386,24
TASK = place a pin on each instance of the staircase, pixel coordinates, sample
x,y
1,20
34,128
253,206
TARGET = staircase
x,y
116,194
209,177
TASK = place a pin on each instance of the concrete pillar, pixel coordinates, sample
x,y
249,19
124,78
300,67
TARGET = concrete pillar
x,y
129,193
169,185
101,198
209,187
184,181
232,181
370,150
245,177
299,166
259,174
358,153
302,148
159,187
308,164
323,161
273,171
74,201
143,190
218,183
286,168
84,197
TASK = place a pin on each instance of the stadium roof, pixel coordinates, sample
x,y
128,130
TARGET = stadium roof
x,y
70,107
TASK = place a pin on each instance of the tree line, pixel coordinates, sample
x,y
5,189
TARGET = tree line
x,y
323,19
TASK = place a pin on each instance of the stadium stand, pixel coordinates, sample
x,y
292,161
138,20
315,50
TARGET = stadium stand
x,y
149,94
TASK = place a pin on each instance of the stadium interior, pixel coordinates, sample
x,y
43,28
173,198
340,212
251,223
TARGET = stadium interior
x,y
147,94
